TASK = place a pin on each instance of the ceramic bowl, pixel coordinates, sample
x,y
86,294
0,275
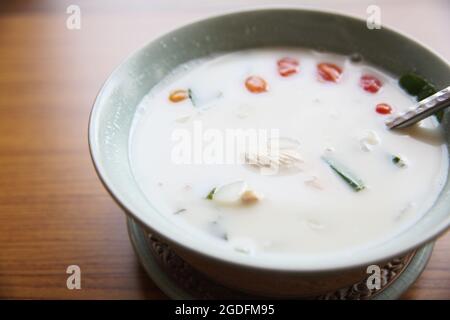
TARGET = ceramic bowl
x,y
116,104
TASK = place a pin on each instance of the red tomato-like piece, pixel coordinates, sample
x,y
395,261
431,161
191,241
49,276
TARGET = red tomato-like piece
x,y
329,72
370,83
256,84
383,108
288,66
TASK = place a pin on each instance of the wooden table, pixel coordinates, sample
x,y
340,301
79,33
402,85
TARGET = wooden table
x,y
53,210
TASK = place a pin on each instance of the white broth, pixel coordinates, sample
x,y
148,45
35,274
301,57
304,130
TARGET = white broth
x,y
341,180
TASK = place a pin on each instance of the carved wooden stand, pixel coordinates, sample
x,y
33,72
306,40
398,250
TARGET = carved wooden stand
x,y
181,281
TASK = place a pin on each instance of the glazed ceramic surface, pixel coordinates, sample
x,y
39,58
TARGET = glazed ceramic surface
x,y
116,105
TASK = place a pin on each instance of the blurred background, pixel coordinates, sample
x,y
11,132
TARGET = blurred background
x,y
53,210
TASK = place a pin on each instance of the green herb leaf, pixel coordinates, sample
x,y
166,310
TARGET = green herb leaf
x,y
398,161
211,194
345,174
418,87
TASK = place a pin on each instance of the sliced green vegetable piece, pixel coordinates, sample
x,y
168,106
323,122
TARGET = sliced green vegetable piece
x,y
418,87
192,97
179,211
211,194
354,182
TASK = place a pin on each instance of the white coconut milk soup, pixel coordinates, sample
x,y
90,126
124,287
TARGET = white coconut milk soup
x,y
327,176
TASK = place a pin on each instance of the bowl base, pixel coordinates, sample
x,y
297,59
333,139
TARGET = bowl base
x,y
178,280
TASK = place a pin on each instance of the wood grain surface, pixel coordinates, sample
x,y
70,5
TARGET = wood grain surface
x,y
53,210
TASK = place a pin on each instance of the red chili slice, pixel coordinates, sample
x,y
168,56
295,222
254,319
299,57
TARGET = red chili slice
x,y
383,108
288,66
329,72
256,84
370,83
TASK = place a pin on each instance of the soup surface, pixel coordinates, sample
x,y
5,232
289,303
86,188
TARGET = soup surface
x,y
285,151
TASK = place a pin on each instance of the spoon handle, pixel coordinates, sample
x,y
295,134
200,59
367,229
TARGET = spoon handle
x,y
425,108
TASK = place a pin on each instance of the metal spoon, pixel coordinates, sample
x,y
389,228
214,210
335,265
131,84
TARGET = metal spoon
x,y
425,108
